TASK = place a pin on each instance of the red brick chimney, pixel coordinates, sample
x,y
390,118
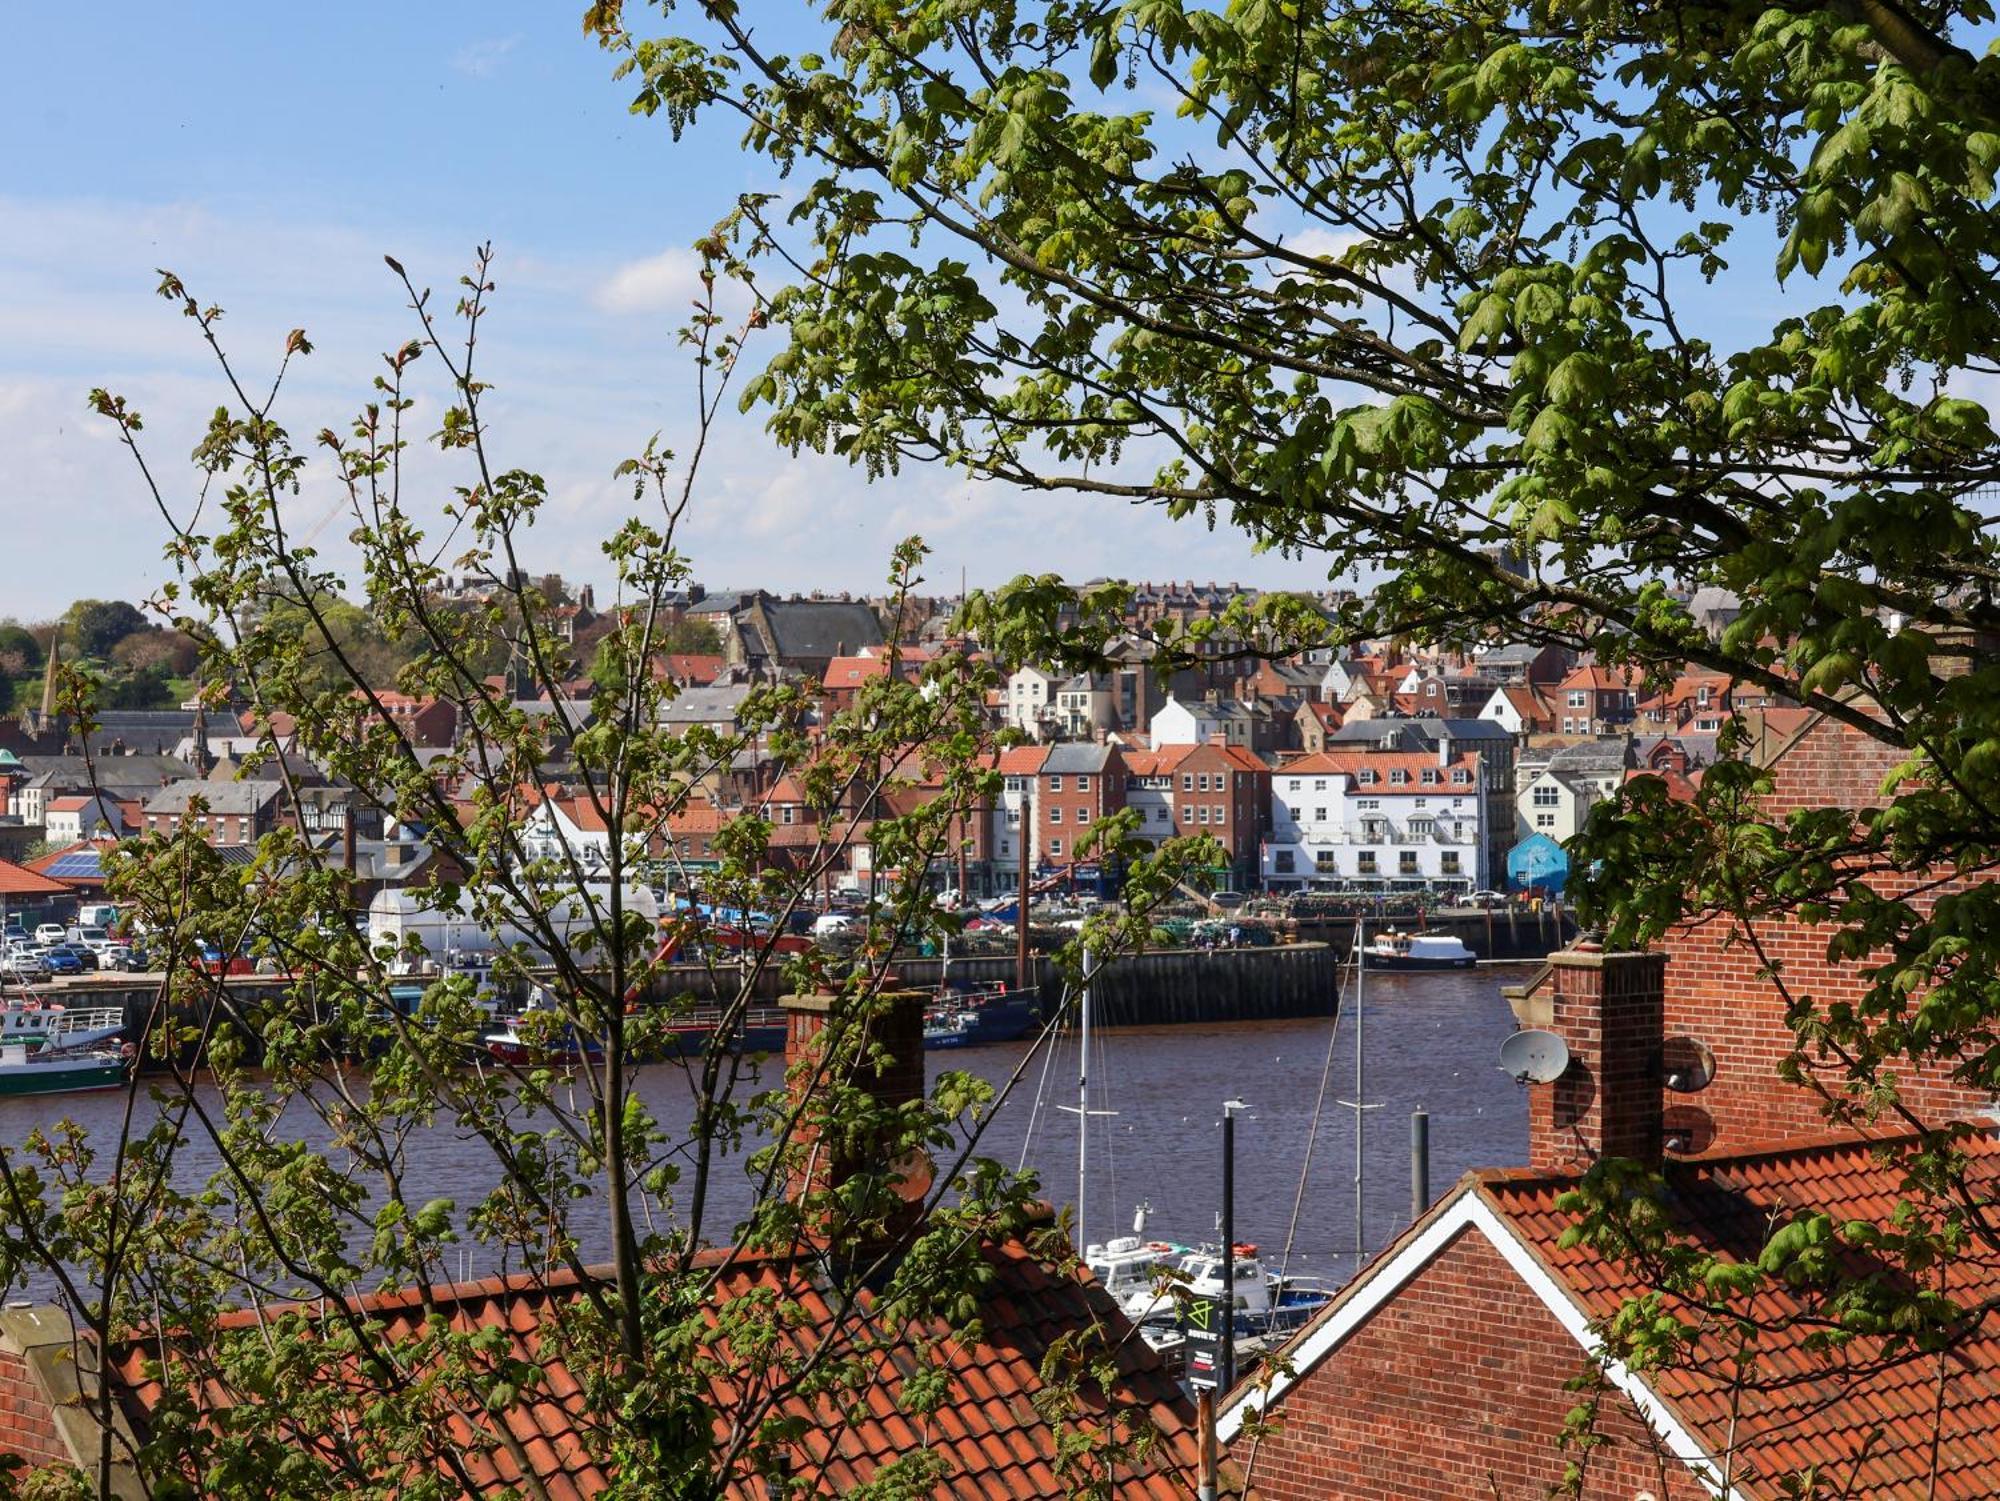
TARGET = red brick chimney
x,y
836,1045
1610,1009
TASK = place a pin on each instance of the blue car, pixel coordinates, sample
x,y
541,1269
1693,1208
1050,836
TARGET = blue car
x,y
61,962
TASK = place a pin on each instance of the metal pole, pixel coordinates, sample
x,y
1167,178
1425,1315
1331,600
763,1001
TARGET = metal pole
x,y
1021,971
1420,1163
1227,1375
1083,1105
1204,1421
1360,1098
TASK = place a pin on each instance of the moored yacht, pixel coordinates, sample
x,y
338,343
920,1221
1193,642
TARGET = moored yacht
x,y
1406,951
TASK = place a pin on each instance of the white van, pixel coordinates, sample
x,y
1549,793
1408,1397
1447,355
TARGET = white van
x,y
827,924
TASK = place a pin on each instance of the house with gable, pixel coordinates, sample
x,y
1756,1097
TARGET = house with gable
x,y
1452,1366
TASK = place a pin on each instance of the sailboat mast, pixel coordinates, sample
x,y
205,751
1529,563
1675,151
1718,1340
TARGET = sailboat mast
x,y
1083,1105
1360,1096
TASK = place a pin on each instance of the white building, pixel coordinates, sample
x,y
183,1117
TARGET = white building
x,y
1176,723
1018,767
1030,700
1379,820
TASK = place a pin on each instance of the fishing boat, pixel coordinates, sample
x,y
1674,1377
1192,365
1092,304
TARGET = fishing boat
x,y
62,1070
964,1018
1140,1275
35,1022
1416,951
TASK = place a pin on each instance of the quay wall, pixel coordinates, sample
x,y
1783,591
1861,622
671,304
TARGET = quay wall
x,y
1159,987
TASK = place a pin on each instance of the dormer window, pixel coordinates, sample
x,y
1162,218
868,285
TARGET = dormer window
x,y
1430,778
1366,776
1398,777
1460,776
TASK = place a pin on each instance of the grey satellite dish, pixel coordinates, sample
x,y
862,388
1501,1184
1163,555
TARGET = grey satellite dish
x,y
1534,1057
1687,1065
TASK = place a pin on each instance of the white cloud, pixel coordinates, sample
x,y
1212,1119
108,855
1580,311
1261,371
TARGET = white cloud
x,y
1323,243
482,59
667,282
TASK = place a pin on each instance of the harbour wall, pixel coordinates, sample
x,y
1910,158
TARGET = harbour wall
x,y
1501,933
1158,987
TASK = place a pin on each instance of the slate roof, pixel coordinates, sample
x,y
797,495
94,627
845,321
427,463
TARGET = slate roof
x,y
718,703
1868,1415
226,799
74,773
1076,756
820,627
994,1441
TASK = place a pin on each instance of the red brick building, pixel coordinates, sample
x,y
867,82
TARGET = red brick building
x,y
1076,787
1224,791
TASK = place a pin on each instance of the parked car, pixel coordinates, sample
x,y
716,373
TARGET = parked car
x,y
19,964
50,932
1229,901
58,960
828,924
1487,899
115,956
86,936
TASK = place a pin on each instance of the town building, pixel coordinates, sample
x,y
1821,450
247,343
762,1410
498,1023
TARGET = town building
x,y
1076,787
1379,820
223,812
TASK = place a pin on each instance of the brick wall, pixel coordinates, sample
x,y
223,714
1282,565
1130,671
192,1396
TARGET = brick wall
x,y
1714,992
27,1422
1453,1391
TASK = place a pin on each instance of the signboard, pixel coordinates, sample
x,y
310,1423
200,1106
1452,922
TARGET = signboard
x,y
1203,1323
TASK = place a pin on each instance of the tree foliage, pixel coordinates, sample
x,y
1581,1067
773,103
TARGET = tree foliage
x,y
1549,313
289,1180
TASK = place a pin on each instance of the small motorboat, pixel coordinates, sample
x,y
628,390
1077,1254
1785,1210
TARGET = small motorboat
x,y
1405,951
968,1018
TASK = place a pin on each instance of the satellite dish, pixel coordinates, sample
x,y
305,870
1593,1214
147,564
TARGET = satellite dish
x,y
1534,1057
1687,1065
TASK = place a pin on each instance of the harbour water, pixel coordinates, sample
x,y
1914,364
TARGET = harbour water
x,y
1156,1094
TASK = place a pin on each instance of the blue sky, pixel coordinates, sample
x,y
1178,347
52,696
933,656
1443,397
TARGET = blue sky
x,y
270,155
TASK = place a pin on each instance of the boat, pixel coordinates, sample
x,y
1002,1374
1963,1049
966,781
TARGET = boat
x,y
1409,951
521,1042
62,1070
34,1023
1139,1275
965,1018
1269,1307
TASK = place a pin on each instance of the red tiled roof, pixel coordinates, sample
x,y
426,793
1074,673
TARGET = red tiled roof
x,y
1602,679
845,672
1023,760
994,1441
1867,1414
1153,763
1415,763
18,880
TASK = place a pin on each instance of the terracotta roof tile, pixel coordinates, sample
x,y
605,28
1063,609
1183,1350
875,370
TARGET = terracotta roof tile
x,y
1851,1411
988,1431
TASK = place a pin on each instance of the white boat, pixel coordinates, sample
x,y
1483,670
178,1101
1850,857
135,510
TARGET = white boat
x,y
1406,951
34,1022
1138,1273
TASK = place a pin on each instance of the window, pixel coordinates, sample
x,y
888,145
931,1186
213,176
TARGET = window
x,y
1547,795
1055,815
1422,801
1284,862
1221,813
1005,847
1325,863
1545,820
1450,865
1398,777
1165,816
1187,815
1203,811
1569,725
1319,783
1055,782
1701,695
1082,783
1430,776
1406,863
787,813
1461,776
1055,846
1422,828
1013,817
1365,863
1319,815
1578,699
1083,815
1293,784
1187,782
1366,776
1368,804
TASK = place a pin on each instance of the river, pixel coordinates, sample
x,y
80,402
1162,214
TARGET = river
x,y
1156,1094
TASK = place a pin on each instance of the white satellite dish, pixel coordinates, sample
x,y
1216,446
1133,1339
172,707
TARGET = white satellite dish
x,y
1534,1057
